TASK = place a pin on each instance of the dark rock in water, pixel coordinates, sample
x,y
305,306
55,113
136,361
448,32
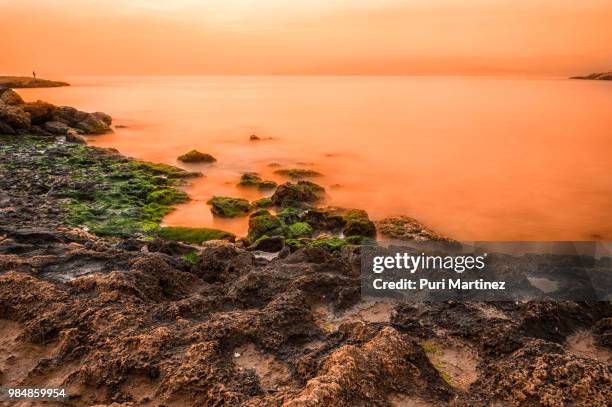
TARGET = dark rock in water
x,y
228,207
75,138
358,224
85,122
39,111
406,228
324,219
10,97
104,117
251,179
297,195
269,244
194,156
262,203
263,223
298,173
254,137
601,76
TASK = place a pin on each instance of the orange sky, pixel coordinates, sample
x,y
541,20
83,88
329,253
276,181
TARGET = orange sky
x,y
71,37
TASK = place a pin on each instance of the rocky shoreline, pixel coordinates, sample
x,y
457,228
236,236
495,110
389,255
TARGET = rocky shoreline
x,y
599,76
97,298
29,82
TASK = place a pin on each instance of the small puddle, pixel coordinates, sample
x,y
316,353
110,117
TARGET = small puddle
x,y
366,312
273,373
456,363
583,344
544,284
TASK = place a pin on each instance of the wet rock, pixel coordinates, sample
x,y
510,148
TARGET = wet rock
x,y
298,173
269,244
324,219
103,117
85,122
263,223
254,137
6,129
194,156
251,179
297,195
75,138
357,223
406,228
229,207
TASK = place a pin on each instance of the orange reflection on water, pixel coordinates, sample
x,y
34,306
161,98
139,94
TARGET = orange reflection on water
x,y
475,158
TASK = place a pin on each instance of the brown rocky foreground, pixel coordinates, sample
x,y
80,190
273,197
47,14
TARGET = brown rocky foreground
x,y
129,321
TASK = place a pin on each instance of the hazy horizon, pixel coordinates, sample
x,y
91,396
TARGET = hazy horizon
x,y
334,37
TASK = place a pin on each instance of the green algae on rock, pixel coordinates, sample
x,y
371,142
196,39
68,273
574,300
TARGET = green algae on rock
x,y
297,195
262,203
407,228
193,235
358,223
91,187
263,223
300,229
228,207
298,173
251,179
195,156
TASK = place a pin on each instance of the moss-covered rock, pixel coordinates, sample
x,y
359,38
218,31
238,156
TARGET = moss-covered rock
x,y
298,173
324,219
297,195
263,223
193,235
167,196
228,207
358,223
290,215
407,228
251,179
195,156
294,244
328,243
360,240
262,203
300,229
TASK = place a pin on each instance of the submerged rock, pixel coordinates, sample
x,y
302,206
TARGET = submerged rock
x,y
228,207
298,173
194,156
297,195
251,179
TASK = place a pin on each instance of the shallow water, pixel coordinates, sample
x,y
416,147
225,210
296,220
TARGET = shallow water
x,y
474,158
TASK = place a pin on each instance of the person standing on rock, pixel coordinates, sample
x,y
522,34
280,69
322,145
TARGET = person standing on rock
x,y
34,74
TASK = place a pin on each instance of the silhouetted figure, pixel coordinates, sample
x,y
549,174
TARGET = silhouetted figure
x,y
34,74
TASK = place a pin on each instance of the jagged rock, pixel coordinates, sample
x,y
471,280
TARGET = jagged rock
x,y
296,195
10,97
269,244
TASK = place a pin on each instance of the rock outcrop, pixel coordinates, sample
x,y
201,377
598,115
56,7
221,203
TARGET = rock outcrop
x,y
28,82
600,76
19,117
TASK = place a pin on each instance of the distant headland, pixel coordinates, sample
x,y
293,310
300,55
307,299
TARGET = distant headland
x,y
600,76
28,82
